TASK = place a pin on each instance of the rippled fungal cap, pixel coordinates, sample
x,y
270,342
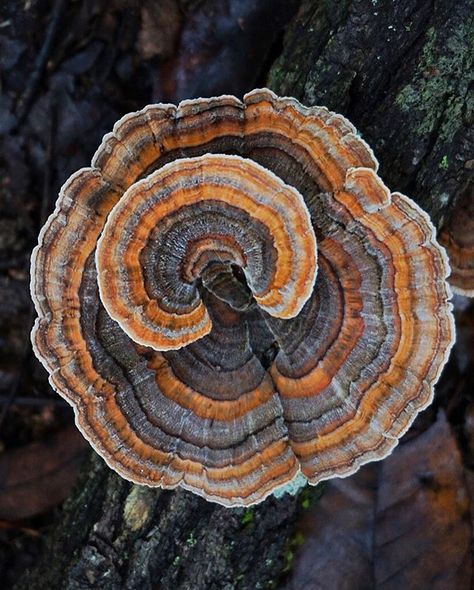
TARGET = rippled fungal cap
x,y
457,236
230,296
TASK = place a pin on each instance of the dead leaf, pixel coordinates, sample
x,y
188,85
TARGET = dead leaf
x,y
38,476
402,523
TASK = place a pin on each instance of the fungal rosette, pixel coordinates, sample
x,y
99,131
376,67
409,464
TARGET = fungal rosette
x,y
230,295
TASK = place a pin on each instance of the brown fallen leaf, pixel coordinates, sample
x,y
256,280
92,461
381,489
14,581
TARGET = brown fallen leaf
x,y
469,474
401,524
38,476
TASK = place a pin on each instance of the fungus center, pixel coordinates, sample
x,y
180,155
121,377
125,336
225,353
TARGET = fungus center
x,y
217,222
227,282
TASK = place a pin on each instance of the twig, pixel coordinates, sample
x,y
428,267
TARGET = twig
x,y
46,196
24,101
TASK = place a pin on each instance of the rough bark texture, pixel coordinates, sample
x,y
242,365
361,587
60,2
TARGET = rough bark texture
x,y
402,72
117,535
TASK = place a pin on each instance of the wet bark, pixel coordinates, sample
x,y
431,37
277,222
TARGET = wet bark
x,y
402,72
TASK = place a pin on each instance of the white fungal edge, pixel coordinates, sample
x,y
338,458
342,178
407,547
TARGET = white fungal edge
x,y
461,291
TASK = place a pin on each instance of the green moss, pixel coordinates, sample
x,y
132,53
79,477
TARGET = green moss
x,y
305,503
306,498
289,555
444,164
248,516
177,560
311,494
191,540
438,91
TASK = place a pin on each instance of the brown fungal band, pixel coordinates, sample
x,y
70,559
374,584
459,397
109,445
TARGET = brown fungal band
x,y
230,295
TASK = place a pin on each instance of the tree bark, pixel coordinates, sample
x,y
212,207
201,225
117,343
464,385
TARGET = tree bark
x,y
402,72
114,534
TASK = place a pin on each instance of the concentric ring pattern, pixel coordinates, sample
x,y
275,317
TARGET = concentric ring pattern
x,y
230,295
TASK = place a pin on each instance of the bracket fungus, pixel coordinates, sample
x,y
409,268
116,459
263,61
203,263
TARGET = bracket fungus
x,y
457,236
230,296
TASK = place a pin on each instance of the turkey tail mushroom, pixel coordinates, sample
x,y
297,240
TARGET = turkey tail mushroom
x,y
457,236
230,295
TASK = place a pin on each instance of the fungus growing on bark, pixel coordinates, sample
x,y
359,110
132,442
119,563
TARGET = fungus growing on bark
x,y
230,295
457,236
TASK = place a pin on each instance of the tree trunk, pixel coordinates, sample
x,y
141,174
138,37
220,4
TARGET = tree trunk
x,y
114,534
401,72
